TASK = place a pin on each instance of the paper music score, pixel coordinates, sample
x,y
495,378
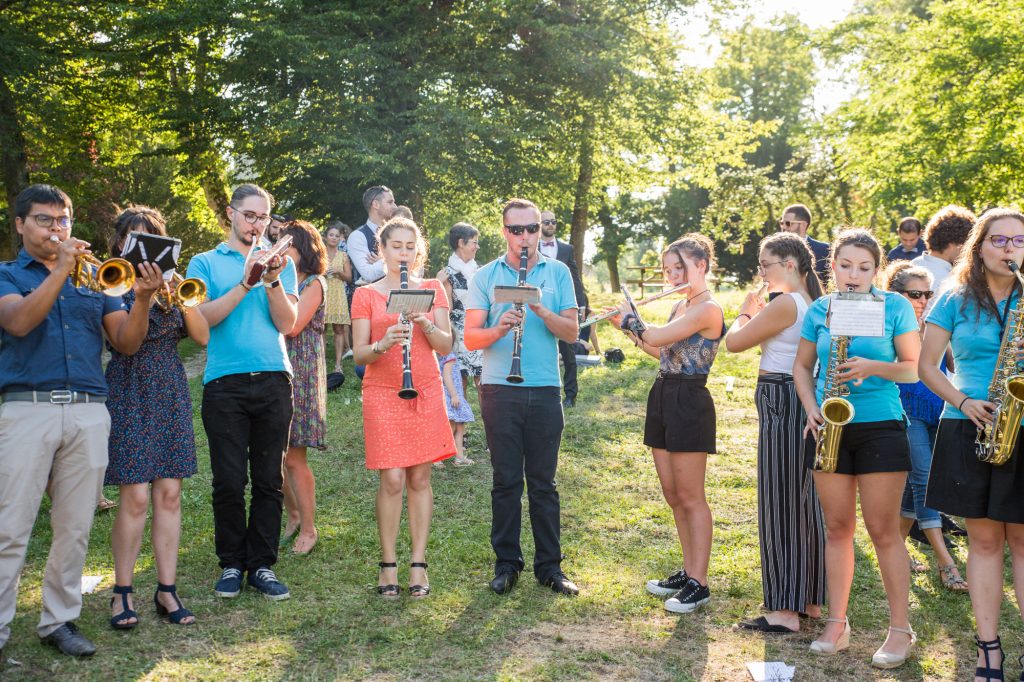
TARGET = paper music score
x,y
410,301
856,314
524,294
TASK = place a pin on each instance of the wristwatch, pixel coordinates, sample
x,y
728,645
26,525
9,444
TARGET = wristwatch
x,y
275,284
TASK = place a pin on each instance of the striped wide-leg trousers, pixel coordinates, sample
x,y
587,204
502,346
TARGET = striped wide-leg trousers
x,y
789,519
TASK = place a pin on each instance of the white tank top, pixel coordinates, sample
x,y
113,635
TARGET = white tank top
x,y
779,352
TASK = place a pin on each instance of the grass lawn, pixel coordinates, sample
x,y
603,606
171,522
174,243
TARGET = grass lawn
x,y
617,533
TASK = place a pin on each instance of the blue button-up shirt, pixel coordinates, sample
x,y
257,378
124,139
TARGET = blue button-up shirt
x,y
63,351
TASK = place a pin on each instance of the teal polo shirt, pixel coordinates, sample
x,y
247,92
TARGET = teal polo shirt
x,y
975,336
876,399
246,340
540,347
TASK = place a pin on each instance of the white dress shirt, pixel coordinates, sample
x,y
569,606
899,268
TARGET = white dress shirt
x,y
549,249
359,253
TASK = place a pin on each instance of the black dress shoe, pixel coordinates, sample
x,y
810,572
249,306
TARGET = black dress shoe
x,y
562,585
70,641
569,402
504,581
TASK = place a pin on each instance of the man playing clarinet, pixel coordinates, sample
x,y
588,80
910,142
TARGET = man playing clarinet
x,y
523,417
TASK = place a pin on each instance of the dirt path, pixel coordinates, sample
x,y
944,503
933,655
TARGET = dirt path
x,y
194,365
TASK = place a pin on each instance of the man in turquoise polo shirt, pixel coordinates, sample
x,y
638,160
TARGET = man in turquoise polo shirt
x,y
247,394
523,421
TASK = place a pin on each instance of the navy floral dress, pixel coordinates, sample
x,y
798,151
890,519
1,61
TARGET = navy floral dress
x,y
150,407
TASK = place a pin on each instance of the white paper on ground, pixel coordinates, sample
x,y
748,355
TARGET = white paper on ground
x,y
774,671
89,583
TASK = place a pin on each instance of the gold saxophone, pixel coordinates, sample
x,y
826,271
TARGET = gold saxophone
x,y
995,442
835,409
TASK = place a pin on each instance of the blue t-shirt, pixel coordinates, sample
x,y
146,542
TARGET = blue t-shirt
x,y
246,340
63,351
975,340
876,399
540,347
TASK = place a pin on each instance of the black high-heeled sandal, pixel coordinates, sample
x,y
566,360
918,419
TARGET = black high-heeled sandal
x,y
388,591
126,613
419,591
988,672
1020,662
176,616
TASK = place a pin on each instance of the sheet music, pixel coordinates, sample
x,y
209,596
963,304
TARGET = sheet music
x,y
410,301
856,314
523,294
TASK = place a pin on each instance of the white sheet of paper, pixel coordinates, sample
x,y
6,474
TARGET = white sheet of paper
x,y
775,671
89,583
856,316
410,301
524,294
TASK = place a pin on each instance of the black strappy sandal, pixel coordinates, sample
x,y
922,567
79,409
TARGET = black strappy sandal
x,y
126,613
176,616
388,591
988,672
419,591
1020,661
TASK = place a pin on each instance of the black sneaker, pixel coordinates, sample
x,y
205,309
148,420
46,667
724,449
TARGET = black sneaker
x,y
668,586
264,580
690,598
230,583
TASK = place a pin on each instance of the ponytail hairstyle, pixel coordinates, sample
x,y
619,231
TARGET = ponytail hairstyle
x,y
857,236
900,272
390,226
785,245
135,219
969,272
696,246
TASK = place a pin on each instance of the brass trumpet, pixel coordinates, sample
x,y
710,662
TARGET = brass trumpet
x,y
187,293
113,277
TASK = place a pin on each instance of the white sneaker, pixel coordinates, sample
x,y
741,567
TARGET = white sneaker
x,y
347,354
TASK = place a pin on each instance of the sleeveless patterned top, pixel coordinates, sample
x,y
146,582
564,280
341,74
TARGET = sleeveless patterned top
x,y
692,355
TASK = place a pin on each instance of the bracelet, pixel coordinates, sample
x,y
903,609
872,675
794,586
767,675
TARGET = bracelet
x,y
247,289
376,348
431,329
744,315
966,398
624,325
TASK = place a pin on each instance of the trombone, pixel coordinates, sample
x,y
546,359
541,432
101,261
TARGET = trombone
x,y
594,319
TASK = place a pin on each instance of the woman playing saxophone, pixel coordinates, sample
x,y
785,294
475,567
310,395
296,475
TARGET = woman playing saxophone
x,y
980,317
871,452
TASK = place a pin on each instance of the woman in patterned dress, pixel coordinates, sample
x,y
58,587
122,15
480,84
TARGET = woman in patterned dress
x,y
403,437
309,384
465,242
152,445
339,275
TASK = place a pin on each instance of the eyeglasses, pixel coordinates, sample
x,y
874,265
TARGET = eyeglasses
x,y
517,230
549,222
44,220
1000,241
253,218
761,267
915,293
791,223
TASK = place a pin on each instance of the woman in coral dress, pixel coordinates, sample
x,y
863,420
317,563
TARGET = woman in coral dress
x,y
403,437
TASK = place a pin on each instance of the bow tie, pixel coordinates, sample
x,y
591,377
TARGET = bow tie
x,y
547,244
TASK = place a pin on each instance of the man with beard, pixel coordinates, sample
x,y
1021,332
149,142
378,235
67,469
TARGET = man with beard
x,y
247,393
379,202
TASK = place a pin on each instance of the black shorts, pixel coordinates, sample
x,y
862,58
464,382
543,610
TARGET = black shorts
x,y
868,448
680,414
963,485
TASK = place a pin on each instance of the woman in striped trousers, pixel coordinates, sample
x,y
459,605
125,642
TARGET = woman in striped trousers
x,y
790,524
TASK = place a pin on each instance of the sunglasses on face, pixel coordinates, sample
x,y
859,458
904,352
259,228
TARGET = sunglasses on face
x,y
916,294
1000,241
790,223
517,230
548,222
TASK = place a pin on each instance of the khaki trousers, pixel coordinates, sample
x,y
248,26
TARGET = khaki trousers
x,y
38,442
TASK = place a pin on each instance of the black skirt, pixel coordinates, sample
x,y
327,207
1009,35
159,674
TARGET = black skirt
x,y
868,448
963,485
680,414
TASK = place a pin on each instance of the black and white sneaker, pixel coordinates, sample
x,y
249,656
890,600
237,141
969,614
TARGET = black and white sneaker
x,y
690,598
668,586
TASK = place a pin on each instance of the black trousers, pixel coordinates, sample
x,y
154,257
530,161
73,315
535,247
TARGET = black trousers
x,y
568,353
524,431
247,417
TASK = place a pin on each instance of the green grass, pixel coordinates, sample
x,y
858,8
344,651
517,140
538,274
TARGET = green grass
x,y
617,532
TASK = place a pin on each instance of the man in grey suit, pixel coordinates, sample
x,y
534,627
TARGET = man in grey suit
x,y
552,247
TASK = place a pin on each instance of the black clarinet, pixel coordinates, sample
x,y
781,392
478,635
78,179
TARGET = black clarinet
x,y
407,392
515,374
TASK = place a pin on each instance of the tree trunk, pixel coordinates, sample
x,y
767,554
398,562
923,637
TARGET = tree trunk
x,y
581,201
13,165
214,189
612,260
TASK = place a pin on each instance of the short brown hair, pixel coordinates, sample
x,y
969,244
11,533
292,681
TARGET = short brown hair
x,y
950,225
909,224
136,219
517,203
248,189
800,211
306,240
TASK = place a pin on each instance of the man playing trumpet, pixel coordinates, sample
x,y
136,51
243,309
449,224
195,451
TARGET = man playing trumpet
x,y
53,421
523,419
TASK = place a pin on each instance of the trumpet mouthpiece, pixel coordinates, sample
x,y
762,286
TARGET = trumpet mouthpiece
x,y
54,238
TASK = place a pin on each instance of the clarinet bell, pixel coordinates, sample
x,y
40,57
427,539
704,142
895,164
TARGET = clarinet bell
x,y
515,374
407,392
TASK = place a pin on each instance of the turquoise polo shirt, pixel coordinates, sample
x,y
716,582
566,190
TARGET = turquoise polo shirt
x,y
876,399
246,340
975,336
539,356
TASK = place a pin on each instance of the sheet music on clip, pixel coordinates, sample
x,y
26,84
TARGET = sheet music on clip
x,y
142,247
516,294
410,301
852,313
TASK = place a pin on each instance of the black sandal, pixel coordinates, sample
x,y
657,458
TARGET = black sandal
x,y
988,672
419,591
176,616
126,613
388,591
